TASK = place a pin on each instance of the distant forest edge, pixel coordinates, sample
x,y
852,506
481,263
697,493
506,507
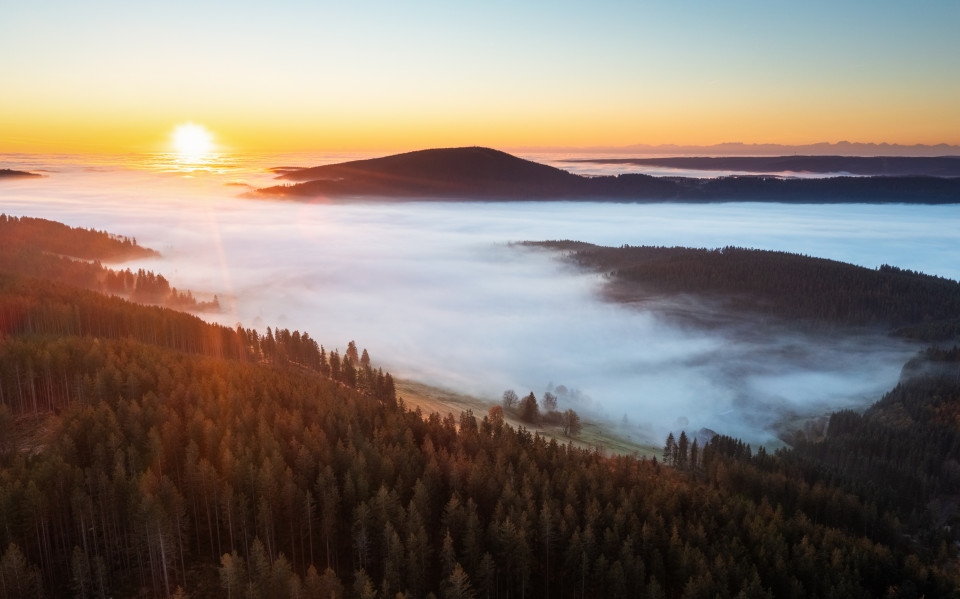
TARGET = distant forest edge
x,y
47,249
840,148
792,286
12,174
887,166
485,174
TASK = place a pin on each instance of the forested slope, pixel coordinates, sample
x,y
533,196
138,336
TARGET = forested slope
x,y
490,175
42,235
896,166
147,453
905,450
46,249
787,285
10,173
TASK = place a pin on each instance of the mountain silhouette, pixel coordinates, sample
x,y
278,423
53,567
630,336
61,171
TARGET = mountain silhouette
x,y
485,174
941,166
443,172
9,173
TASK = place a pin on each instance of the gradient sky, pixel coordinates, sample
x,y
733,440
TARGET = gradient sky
x,y
117,76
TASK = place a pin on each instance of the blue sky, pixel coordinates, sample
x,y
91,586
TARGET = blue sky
x,y
362,74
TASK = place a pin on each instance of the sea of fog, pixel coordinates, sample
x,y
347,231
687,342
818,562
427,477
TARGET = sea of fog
x,y
436,292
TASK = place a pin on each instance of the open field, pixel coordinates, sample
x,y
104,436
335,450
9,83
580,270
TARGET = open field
x,y
434,399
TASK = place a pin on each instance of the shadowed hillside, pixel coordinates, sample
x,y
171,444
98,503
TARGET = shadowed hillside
x,y
451,172
11,174
897,166
46,249
486,174
147,453
42,235
787,285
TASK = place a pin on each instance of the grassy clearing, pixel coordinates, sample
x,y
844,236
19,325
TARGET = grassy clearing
x,y
594,435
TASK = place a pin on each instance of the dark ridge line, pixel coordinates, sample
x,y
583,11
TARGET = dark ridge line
x,y
484,174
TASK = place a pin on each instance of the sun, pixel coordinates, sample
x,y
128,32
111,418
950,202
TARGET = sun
x,y
192,140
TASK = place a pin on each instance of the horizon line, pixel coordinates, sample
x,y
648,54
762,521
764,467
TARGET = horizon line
x,y
722,147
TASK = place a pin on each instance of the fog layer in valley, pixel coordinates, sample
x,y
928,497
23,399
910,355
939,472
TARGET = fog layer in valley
x,y
436,292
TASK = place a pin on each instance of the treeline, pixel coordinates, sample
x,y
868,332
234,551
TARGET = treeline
x,y
146,287
57,238
227,470
904,451
780,283
147,453
34,307
486,174
6,172
900,458
529,410
290,484
827,190
36,247
760,188
896,166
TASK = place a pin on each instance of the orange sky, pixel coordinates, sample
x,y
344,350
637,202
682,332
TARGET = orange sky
x,y
110,77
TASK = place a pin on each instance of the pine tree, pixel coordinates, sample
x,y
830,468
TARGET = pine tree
x,y
362,585
683,445
365,359
669,450
329,585
18,577
529,409
82,582
351,355
457,585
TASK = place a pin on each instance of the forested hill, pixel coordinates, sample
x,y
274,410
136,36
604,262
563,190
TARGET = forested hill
x,y
146,453
909,440
486,174
449,172
43,235
155,454
890,166
787,285
50,250
11,174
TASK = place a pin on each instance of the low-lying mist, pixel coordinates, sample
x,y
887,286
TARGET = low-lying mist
x,y
436,292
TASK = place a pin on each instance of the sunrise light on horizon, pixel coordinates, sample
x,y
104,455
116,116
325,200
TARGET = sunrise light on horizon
x,y
192,141
109,77
540,299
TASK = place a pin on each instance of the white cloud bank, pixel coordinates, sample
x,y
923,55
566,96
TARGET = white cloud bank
x,y
436,293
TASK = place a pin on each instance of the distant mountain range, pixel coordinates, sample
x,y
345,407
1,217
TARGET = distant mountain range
x,y
447,172
841,148
485,174
891,166
9,173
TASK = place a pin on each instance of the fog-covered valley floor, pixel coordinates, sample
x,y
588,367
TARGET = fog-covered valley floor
x,y
437,292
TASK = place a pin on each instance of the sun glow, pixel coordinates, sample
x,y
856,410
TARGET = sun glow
x,y
192,141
